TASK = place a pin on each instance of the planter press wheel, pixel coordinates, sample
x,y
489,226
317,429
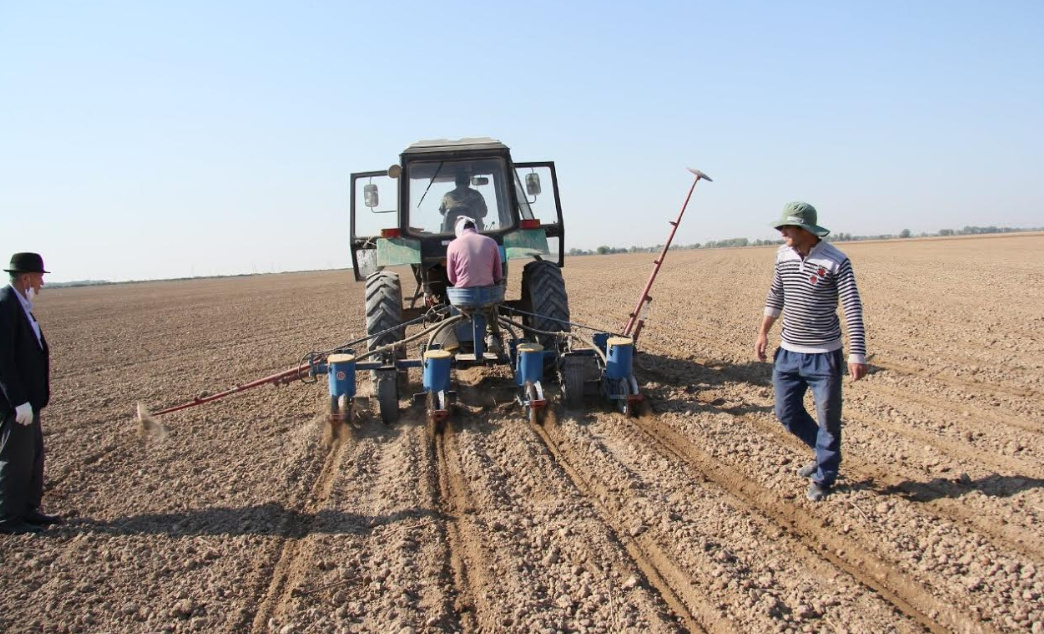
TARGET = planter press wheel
x,y
573,374
537,415
386,389
626,406
437,426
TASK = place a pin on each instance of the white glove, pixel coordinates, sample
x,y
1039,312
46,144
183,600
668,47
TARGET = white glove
x,y
24,414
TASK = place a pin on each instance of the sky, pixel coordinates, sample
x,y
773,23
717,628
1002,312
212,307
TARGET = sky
x,y
144,140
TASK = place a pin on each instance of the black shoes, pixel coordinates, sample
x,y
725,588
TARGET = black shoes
x,y
33,522
19,528
36,518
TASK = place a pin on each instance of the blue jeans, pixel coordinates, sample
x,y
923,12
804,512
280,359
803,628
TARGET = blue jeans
x,y
792,375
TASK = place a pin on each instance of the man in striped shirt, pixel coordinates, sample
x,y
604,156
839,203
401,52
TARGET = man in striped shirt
x,y
811,276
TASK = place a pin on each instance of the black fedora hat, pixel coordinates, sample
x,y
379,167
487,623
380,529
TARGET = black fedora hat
x,y
26,263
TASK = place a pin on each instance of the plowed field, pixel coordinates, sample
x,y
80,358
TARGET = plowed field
x,y
251,517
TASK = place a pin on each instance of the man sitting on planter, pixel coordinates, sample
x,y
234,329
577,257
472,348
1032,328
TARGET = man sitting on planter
x,y
473,261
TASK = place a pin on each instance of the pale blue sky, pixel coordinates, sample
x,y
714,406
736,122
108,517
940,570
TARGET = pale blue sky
x,y
146,139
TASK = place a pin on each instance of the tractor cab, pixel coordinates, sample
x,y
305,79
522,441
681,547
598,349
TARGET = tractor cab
x,y
406,213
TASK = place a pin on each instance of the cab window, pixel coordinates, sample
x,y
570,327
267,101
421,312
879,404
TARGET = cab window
x,y
442,191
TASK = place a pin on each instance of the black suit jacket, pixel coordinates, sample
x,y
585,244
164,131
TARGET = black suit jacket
x,y
25,369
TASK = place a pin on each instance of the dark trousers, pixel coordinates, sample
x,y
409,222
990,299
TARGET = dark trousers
x,y
21,468
792,375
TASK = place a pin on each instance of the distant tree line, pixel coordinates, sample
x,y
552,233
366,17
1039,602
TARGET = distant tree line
x,y
77,283
906,233
839,236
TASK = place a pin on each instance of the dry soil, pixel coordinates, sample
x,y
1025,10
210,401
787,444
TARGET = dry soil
x,y
250,517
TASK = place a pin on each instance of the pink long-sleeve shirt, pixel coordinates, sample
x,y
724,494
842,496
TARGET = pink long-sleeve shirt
x,y
473,260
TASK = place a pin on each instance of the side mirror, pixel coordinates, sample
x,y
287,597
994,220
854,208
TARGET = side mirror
x,y
370,198
478,181
532,184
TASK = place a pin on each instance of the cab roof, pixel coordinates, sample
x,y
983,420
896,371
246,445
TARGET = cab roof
x,y
455,145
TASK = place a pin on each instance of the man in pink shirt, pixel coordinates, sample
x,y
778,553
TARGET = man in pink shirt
x,y
472,259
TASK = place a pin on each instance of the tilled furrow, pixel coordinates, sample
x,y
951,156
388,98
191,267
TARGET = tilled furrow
x,y
558,566
952,499
961,452
957,382
908,596
962,417
220,350
374,560
288,568
932,498
669,581
467,558
937,456
954,408
750,570
974,563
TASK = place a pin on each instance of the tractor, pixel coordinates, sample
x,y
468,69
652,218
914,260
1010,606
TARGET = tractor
x,y
405,215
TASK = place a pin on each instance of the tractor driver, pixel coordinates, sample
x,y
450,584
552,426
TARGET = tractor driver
x,y
462,202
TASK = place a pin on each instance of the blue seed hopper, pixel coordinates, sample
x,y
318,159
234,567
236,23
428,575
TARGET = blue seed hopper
x,y
581,366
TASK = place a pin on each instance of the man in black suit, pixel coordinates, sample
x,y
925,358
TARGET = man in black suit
x,y
24,391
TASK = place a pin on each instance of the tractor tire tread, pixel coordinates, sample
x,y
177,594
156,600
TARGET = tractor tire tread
x,y
383,307
544,290
383,312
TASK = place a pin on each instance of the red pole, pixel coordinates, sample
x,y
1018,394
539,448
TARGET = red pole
x,y
634,325
283,377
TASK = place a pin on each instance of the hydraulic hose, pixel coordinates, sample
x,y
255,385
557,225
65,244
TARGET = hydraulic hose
x,y
560,334
439,328
345,346
398,344
561,321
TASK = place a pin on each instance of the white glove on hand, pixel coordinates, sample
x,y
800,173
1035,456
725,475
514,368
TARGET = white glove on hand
x,y
24,414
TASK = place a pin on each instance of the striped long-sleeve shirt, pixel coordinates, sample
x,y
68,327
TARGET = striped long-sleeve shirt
x,y
806,290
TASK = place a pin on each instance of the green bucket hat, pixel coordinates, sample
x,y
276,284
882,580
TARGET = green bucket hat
x,y
799,214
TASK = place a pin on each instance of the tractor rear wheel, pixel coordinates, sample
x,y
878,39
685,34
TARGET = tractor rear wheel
x,y
544,295
384,313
